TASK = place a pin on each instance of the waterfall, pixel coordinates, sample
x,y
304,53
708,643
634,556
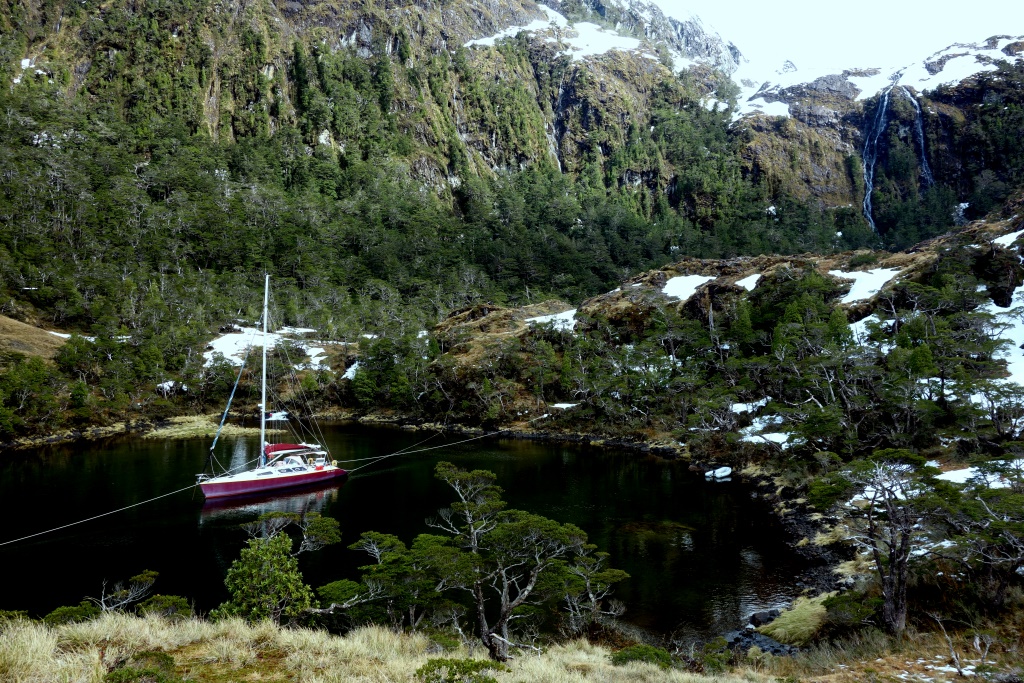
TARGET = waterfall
x,y
552,132
870,154
926,171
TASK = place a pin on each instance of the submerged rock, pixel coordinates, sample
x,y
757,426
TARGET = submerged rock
x,y
744,640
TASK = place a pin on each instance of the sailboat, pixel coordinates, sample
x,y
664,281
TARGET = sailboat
x,y
280,465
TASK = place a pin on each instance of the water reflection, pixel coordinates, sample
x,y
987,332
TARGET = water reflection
x,y
312,498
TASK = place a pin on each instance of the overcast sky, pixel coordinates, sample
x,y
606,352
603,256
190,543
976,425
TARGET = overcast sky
x,y
868,33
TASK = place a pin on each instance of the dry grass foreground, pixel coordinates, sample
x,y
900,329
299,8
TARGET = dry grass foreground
x,y
232,650
32,341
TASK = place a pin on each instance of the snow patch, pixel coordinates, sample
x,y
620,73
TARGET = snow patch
x,y
317,357
233,344
865,283
350,373
564,321
1007,240
564,406
64,335
683,286
749,282
749,407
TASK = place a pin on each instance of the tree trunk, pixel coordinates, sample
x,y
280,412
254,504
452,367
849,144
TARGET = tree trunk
x,y
894,608
496,648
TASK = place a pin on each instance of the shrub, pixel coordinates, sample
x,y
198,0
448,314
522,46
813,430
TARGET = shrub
x,y
643,653
173,607
850,609
862,260
12,615
84,611
442,670
824,492
714,656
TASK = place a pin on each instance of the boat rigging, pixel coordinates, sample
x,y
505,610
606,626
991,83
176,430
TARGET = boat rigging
x,y
280,465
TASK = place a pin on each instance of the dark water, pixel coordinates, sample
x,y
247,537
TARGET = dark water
x,y
701,556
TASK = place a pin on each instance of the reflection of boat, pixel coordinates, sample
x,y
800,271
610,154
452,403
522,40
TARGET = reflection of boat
x,y
280,465
309,498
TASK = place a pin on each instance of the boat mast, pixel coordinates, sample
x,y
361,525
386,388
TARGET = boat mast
x,y
263,396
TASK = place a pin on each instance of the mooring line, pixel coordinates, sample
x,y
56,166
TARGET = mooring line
x,y
444,445
376,459
89,519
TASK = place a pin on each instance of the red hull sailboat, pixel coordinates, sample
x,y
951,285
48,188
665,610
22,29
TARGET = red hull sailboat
x,y
280,466
287,465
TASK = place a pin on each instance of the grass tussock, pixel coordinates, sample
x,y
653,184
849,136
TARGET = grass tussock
x,y
233,650
798,624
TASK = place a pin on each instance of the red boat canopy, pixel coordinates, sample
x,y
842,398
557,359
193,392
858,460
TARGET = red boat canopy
x,y
278,447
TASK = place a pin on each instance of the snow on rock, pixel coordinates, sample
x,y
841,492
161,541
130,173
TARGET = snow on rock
x,y
866,283
760,85
751,434
1007,240
580,40
749,282
780,438
683,286
564,321
766,108
350,373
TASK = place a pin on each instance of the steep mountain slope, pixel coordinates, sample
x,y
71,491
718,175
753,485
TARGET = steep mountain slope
x,y
904,145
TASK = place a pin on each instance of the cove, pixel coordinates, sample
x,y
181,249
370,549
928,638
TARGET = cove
x,y
702,556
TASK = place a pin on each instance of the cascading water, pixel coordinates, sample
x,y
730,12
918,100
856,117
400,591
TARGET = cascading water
x,y
926,171
870,153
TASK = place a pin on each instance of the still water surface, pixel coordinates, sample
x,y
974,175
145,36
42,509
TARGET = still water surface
x,y
702,556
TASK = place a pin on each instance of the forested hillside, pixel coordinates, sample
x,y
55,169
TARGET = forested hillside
x,y
159,157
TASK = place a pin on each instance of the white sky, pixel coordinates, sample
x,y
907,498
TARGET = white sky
x,y
871,33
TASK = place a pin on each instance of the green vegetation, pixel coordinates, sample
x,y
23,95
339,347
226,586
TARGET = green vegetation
x,y
444,670
643,653
496,564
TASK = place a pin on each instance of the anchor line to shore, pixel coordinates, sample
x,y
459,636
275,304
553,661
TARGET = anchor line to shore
x,y
434,448
405,451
